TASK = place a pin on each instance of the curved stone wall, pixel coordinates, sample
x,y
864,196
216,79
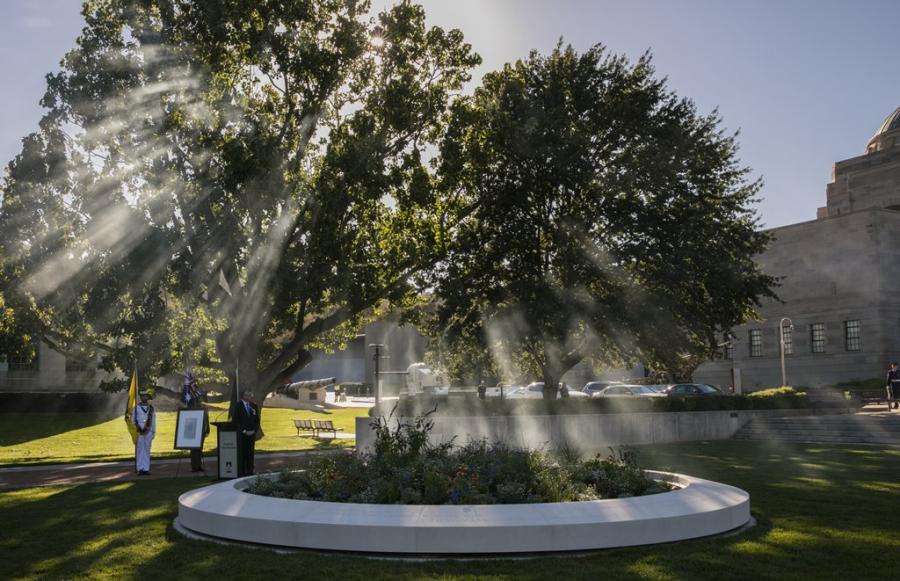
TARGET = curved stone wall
x,y
699,508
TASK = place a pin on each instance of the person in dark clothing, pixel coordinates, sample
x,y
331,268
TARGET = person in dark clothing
x,y
196,403
246,416
893,385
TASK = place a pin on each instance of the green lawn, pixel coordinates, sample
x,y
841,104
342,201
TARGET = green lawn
x,y
824,513
79,437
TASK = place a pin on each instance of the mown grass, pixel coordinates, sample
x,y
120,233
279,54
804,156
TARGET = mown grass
x,y
824,512
31,438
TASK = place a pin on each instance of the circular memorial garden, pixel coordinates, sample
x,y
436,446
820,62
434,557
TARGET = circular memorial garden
x,y
409,496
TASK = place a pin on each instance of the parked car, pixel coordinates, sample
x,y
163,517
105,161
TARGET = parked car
x,y
593,387
692,389
628,391
502,389
535,390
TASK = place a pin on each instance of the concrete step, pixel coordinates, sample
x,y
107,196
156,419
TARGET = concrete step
x,y
820,440
823,434
836,431
846,430
893,419
885,419
843,429
812,425
863,425
848,426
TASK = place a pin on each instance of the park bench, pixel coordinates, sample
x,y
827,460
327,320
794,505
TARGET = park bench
x,y
875,397
327,426
306,426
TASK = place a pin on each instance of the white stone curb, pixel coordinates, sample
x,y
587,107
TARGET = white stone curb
x,y
699,508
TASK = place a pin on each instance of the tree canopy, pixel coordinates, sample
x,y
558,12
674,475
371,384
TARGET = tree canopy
x,y
225,181
229,183
611,221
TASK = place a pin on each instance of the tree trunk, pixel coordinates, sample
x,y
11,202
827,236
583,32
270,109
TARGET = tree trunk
x,y
551,383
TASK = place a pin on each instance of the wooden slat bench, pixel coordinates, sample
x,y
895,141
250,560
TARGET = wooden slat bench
x,y
327,426
306,426
875,397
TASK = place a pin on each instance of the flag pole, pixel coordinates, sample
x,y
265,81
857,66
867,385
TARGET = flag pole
x,y
235,393
131,403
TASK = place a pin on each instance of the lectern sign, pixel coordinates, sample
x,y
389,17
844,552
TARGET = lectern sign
x,y
228,457
227,449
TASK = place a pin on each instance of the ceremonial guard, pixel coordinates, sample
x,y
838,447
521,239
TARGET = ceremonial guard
x,y
144,419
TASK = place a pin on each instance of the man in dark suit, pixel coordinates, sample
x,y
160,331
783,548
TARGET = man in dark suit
x,y
246,416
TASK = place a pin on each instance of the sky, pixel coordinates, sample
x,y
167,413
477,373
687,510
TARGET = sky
x,y
805,82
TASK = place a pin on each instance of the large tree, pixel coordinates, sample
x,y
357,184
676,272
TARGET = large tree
x,y
227,182
612,221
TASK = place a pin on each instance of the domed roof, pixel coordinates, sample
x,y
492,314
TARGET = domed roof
x,y
892,122
879,141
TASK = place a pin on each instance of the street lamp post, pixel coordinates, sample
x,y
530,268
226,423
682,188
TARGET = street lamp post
x,y
781,336
377,347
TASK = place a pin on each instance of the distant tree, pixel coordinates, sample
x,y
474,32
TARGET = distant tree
x,y
226,182
610,220
464,361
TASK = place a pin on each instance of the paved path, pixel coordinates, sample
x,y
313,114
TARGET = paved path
x,y
52,474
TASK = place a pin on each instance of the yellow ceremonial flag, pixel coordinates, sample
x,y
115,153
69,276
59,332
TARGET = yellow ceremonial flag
x,y
129,408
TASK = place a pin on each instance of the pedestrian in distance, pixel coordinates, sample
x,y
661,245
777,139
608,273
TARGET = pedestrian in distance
x,y
144,419
892,385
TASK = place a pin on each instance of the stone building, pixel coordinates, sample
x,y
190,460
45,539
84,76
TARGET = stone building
x,y
50,371
840,284
400,347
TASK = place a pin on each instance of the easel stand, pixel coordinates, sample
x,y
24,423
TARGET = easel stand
x,y
178,464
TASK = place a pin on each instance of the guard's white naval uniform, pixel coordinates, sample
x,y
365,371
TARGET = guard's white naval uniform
x,y
145,440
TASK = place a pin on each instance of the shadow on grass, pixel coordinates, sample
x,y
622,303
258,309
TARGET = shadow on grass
x,y
24,427
124,530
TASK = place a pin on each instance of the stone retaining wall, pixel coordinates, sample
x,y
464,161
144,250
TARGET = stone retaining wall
x,y
592,432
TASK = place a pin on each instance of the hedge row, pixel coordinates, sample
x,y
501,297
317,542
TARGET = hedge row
x,y
468,405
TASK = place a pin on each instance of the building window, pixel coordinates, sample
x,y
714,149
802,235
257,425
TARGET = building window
x,y
729,346
851,335
756,343
74,365
23,362
788,334
817,337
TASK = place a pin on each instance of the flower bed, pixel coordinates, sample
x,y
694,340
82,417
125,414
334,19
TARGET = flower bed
x,y
405,468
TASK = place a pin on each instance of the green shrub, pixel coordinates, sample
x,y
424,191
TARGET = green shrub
x,y
405,468
871,384
784,390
